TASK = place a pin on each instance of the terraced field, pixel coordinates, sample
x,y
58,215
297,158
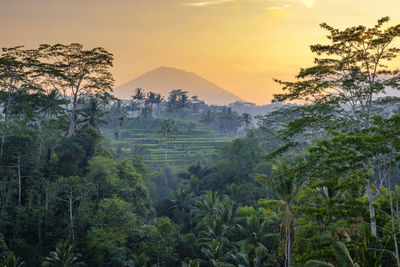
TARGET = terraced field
x,y
183,149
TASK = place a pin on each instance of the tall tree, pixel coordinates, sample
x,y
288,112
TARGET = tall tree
x,y
74,73
158,100
286,188
16,76
351,70
138,97
70,190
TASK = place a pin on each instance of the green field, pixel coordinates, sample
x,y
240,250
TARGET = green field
x,y
183,148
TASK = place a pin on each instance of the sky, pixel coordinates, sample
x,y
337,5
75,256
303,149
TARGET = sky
x,y
240,45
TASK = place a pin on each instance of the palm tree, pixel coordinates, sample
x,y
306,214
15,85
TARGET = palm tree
x,y
216,254
92,114
206,208
9,260
183,199
51,104
252,229
283,184
158,100
183,103
342,256
167,130
138,97
140,260
214,229
62,256
250,256
151,100
133,106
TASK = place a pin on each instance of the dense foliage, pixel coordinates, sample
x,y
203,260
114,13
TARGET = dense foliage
x,y
307,185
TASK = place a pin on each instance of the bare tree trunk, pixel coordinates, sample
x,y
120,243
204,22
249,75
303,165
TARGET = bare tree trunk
x,y
371,210
72,118
71,124
71,219
19,180
288,245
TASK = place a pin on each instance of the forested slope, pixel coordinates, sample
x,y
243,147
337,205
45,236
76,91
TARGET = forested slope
x,y
90,180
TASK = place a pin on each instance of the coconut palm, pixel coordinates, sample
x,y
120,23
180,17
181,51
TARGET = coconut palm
x,y
250,256
62,256
183,199
284,184
207,207
138,97
342,256
158,100
214,229
9,260
216,254
140,260
150,99
252,229
92,114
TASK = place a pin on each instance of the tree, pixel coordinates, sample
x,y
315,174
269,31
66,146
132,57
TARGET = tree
x,y
113,225
9,260
92,114
216,254
70,190
246,118
74,73
351,70
284,184
158,100
167,130
177,101
16,71
151,100
138,97
250,256
208,117
62,256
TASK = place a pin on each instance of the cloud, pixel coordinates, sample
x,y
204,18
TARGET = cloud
x,y
279,7
308,3
278,14
208,3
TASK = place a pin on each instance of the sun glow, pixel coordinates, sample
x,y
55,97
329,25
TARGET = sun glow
x,y
238,44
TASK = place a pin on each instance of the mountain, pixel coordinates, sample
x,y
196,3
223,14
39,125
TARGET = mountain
x,y
164,79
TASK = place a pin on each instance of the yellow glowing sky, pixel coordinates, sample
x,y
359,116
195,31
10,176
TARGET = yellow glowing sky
x,y
238,44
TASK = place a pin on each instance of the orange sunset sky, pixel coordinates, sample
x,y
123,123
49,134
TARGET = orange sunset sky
x,y
238,44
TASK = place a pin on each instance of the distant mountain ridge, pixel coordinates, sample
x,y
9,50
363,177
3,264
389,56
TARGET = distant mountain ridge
x,y
164,79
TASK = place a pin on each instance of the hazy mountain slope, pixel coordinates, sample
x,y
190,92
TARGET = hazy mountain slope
x,y
164,79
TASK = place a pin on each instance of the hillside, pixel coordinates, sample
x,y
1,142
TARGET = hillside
x,y
164,79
